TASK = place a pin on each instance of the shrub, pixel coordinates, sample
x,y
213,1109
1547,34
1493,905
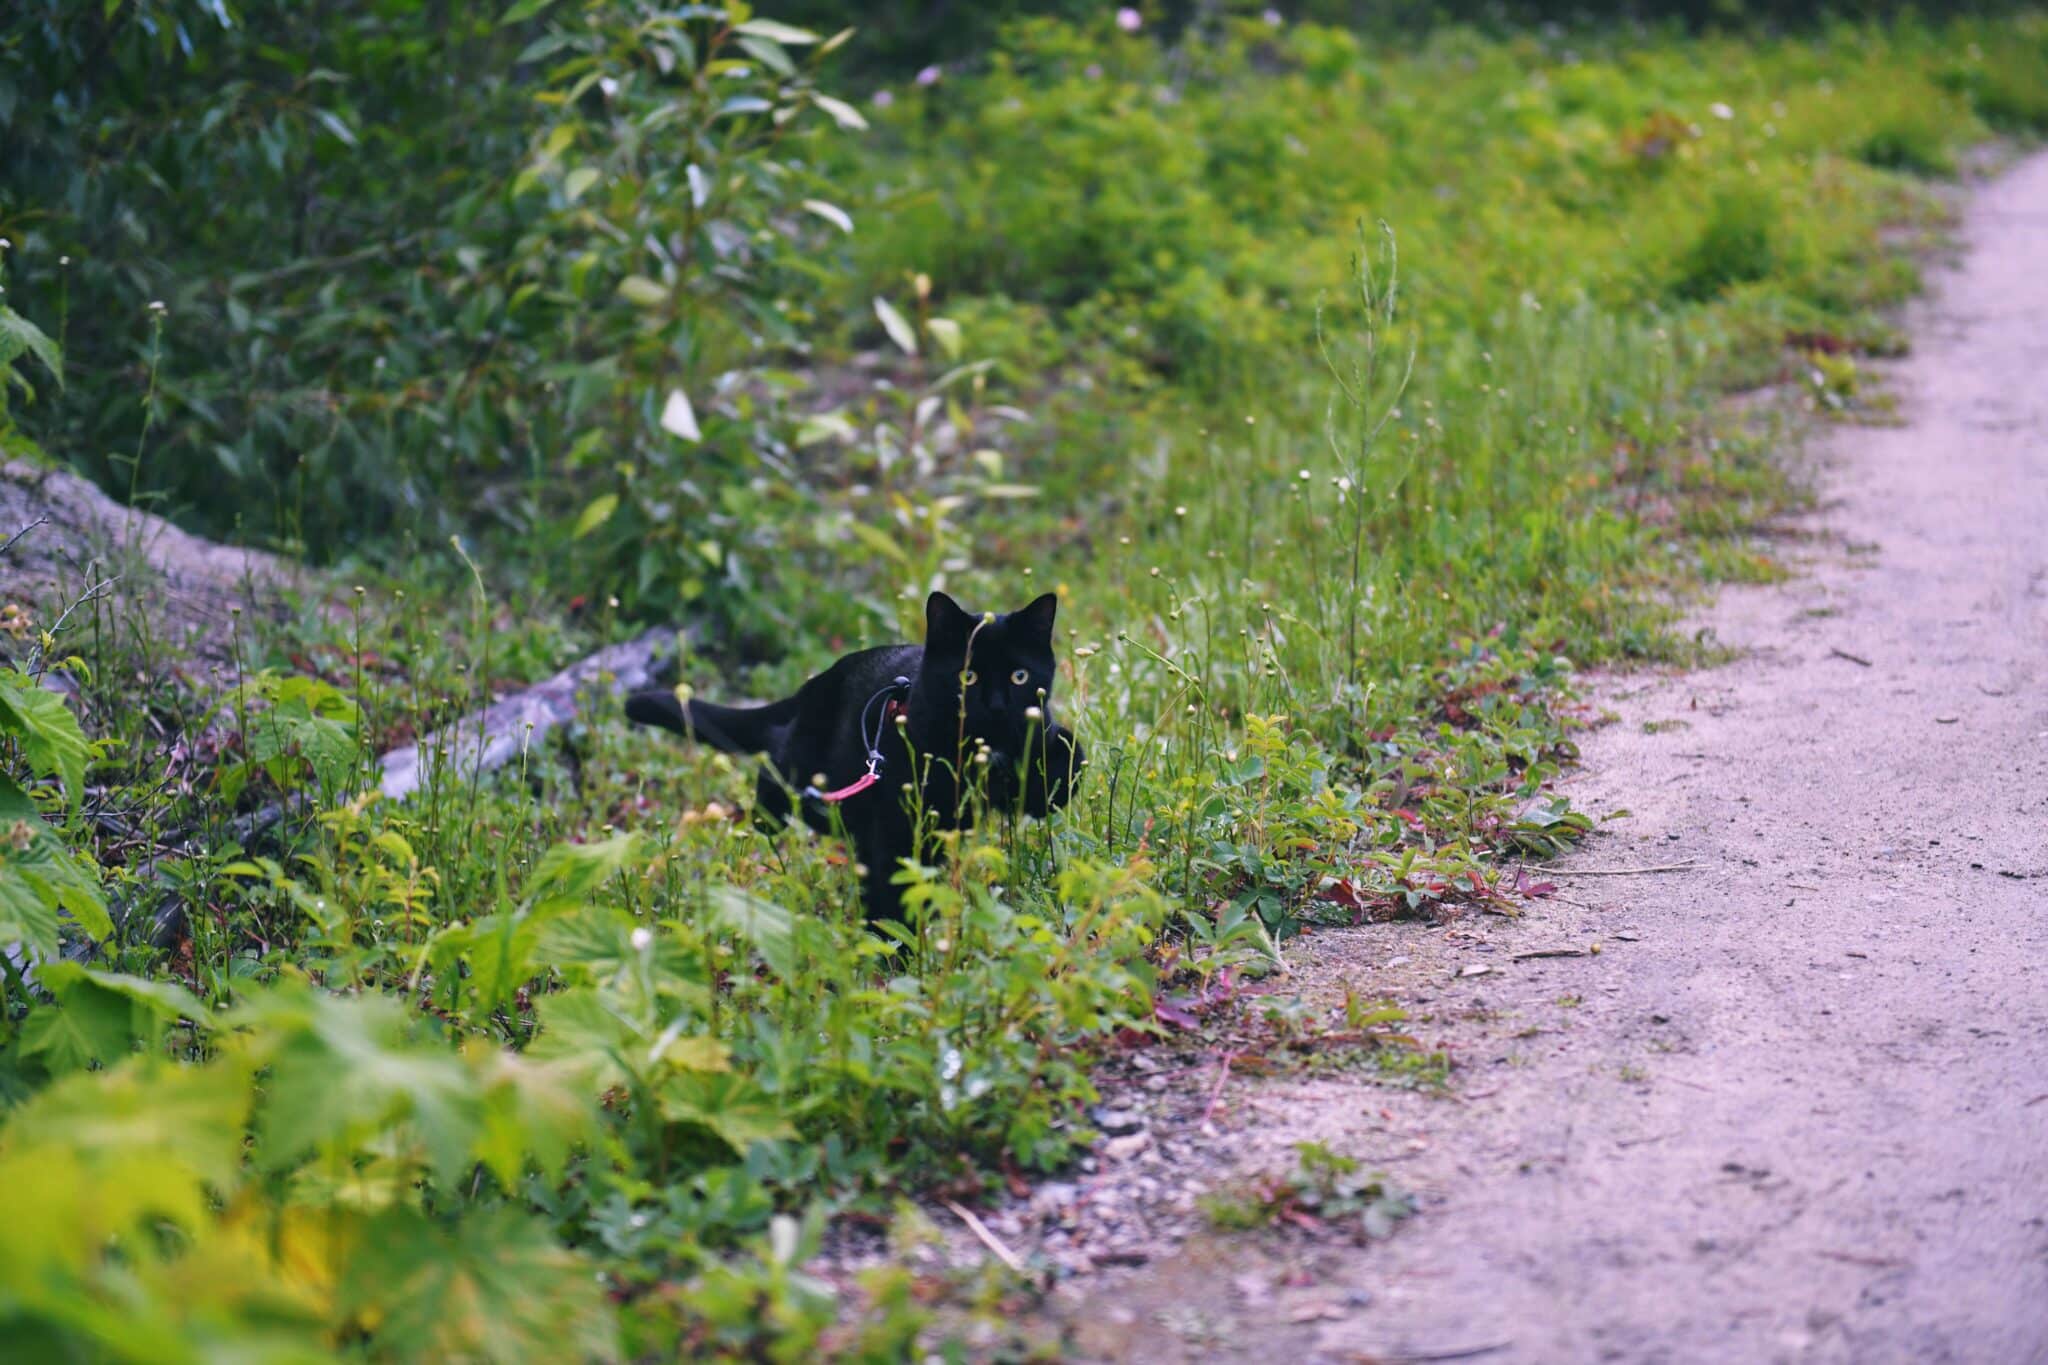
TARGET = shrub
x,y
1739,243
1910,141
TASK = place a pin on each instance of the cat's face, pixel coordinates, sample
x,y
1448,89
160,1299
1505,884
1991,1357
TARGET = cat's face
x,y
1002,669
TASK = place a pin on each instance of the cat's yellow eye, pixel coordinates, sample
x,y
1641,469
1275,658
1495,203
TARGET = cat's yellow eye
x,y
1020,677
969,678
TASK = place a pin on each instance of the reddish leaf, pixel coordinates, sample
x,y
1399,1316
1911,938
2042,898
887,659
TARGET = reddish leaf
x,y
1308,1222
1340,891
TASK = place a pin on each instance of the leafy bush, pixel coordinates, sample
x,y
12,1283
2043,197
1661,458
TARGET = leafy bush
x,y
1913,140
43,881
1738,243
438,305
577,1054
2001,80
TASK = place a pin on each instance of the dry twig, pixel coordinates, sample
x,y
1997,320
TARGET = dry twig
x,y
1617,871
987,1238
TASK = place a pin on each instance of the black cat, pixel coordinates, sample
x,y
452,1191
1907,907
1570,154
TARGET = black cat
x,y
974,686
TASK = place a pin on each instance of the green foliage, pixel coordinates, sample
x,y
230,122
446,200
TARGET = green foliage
x,y
1326,1190
523,280
149,1236
2001,80
1913,142
682,218
41,878
1738,244
20,338
575,1059
47,732
305,727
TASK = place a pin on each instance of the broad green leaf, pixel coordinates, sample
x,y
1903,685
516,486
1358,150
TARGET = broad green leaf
x,y
831,213
768,928
843,114
313,696
39,877
825,426
642,967
686,1051
29,910
522,11
577,1026
343,1071
594,942
787,34
531,1110
19,336
642,292
678,418
744,104
596,514
286,731
492,1286
99,1016
89,1026
769,54
578,181
165,1000
49,733
333,123
899,330
573,871
499,950
545,45
193,1115
728,1104
946,332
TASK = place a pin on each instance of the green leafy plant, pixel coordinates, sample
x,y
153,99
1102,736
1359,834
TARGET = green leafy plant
x,y
20,338
1326,1191
42,879
573,1056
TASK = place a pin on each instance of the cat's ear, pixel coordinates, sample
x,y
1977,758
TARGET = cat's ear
x,y
1036,620
946,623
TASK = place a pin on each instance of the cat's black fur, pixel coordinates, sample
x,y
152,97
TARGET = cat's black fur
x,y
817,734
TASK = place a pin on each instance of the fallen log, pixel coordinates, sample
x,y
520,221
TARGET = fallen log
x,y
496,735
462,752
187,587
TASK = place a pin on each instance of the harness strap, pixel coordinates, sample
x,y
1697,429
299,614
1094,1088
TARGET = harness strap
x,y
892,708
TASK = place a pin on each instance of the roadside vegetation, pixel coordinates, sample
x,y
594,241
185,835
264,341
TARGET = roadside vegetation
x,y
1351,393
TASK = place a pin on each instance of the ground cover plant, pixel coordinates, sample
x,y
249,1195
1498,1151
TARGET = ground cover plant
x,y
1349,397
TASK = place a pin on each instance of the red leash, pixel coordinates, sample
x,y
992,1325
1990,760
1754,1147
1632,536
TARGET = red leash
x,y
853,788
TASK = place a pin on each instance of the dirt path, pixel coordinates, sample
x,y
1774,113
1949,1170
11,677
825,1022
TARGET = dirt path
x,y
1797,1107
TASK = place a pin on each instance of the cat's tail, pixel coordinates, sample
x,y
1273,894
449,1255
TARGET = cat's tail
x,y
729,729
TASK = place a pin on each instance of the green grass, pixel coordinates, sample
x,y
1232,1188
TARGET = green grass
x,y
579,1049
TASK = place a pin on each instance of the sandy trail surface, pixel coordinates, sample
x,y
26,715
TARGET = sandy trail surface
x,y
1796,1108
